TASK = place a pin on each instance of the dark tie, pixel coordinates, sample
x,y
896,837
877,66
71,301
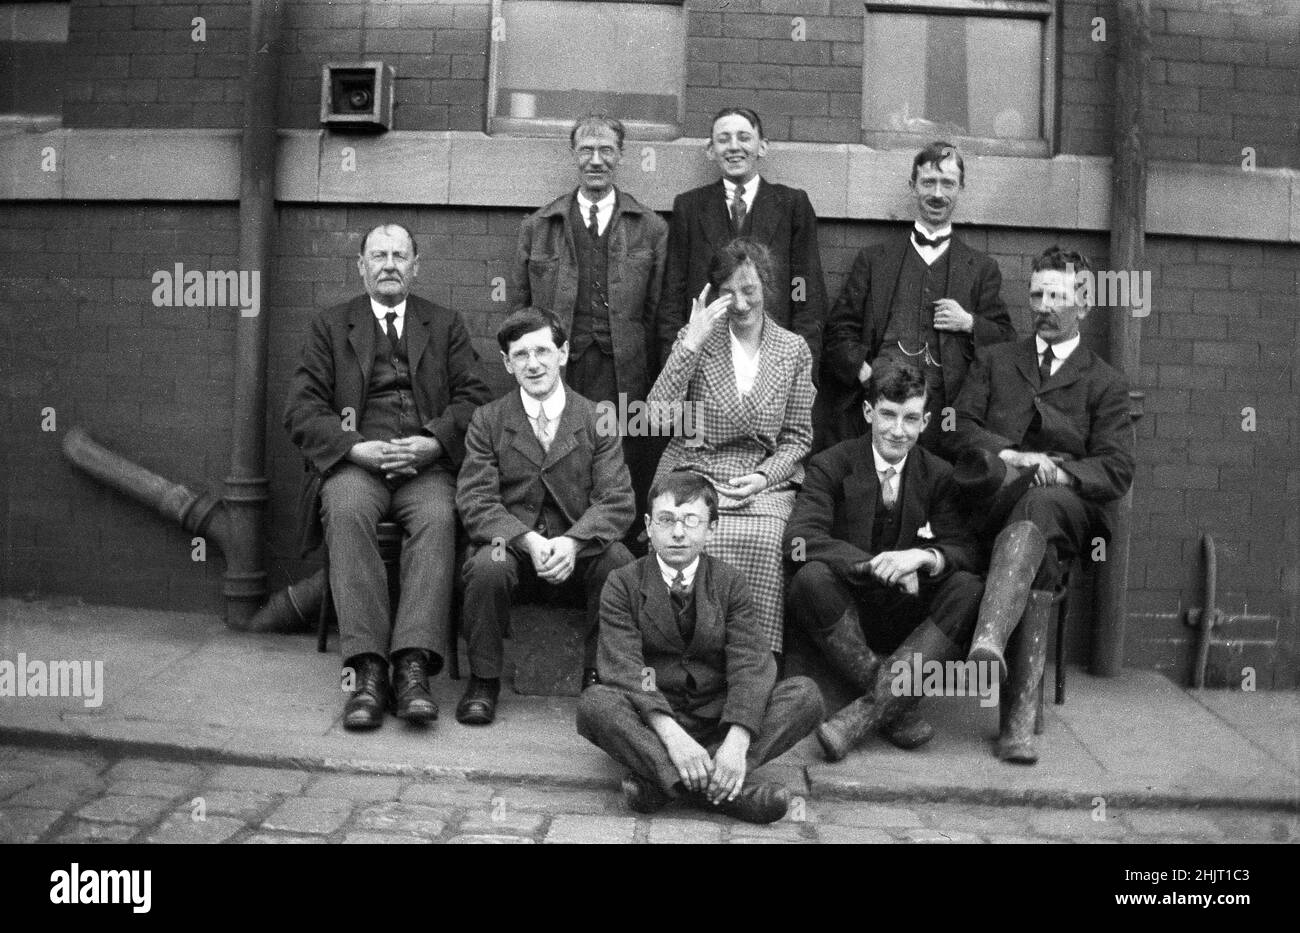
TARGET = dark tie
x,y
922,240
738,210
390,328
592,226
681,595
1045,367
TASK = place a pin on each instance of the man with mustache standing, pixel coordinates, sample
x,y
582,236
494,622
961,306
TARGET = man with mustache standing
x,y
594,257
929,298
379,406
1049,406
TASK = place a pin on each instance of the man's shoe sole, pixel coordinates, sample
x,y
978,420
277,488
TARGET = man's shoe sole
x,y
833,745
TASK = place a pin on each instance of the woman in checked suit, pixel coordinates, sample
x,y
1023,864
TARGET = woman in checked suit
x,y
748,382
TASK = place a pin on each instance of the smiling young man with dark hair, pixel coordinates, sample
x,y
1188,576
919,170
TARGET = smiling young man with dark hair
x,y
545,498
689,700
883,556
927,297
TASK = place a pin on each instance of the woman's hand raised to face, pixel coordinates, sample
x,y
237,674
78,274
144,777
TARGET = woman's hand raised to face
x,y
704,318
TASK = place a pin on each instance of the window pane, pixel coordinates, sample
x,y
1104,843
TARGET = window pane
x,y
33,39
562,59
954,75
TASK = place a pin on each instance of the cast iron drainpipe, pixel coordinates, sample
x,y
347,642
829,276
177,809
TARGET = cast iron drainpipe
x,y
294,608
245,497
1209,614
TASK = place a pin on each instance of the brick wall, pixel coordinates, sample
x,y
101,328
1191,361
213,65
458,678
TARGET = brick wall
x,y
155,384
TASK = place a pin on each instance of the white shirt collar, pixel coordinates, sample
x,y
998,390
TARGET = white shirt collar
x,y
945,230
929,254
747,190
381,311
882,464
604,204
670,574
553,406
1060,351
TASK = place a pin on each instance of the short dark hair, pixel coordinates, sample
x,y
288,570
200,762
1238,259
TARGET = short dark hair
x,y
1054,257
734,255
525,321
894,380
685,487
750,115
594,120
936,153
365,238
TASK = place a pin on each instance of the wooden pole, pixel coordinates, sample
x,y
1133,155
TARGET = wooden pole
x,y
1128,208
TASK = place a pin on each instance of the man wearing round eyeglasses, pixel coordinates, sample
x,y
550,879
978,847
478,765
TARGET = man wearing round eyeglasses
x,y
545,498
689,700
594,257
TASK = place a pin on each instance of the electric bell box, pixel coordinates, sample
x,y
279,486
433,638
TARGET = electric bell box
x,y
357,96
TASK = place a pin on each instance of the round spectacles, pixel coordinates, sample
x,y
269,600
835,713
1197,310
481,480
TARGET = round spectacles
x,y
669,522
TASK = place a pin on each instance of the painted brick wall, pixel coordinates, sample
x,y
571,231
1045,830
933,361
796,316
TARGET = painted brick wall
x,y
155,383
1224,75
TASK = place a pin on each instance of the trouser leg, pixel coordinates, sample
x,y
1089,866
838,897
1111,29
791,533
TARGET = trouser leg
x,y
607,719
353,500
826,608
426,508
491,573
794,710
593,571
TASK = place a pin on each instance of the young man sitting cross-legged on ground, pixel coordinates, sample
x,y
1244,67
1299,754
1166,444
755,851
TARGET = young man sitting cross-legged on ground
x,y
688,698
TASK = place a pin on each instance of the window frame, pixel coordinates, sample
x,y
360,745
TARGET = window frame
x,y
551,127
1045,11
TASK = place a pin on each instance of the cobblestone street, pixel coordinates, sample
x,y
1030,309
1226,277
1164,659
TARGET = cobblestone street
x,y
82,797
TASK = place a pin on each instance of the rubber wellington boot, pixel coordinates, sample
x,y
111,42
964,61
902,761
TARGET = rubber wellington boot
x,y
906,728
1017,552
846,729
845,649
1028,658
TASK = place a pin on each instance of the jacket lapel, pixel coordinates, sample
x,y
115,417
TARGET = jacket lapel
x,y
1027,361
656,606
714,217
710,623
361,335
516,423
566,432
861,487
416,335
766,212
719,373
755,402
915,482
1071,371
882,284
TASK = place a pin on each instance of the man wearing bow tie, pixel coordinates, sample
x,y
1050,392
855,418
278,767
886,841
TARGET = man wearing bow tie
x,y
928,297
545,498
378,406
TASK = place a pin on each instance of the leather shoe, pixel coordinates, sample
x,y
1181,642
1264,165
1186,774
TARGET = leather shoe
x,y
764,802
909,731
589,677
478,707
643,796
365,708
411,687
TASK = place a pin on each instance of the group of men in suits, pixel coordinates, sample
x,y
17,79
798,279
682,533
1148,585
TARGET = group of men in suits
x,y
394,421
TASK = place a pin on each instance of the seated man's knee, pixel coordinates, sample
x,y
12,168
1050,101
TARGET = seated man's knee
x,y
351,496
804,693
491,567
1041,504
595,706
814,576
967,586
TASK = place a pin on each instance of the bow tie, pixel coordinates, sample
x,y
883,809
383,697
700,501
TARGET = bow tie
x,y
922,240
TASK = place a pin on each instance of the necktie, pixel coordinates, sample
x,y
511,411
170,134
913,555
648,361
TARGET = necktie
x,y
922,240
390,328
543,430
737,209
680,596
1045,367
592,226
888,491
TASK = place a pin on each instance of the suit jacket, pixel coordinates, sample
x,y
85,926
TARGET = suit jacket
x,y
726,672
333,377
769,430
855,328
834,513
1084,409
506,475
545,275
782,219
